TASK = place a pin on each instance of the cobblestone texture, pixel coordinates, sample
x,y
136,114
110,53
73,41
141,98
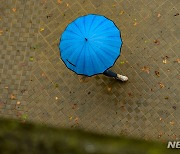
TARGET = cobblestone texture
x,y
36,85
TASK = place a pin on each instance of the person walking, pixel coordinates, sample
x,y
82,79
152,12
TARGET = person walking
x,y
90,45
109,73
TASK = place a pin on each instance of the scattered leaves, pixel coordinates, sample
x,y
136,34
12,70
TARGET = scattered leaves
x,y
161,85
157,73
14,9
157,42
41,29
12,97
146,69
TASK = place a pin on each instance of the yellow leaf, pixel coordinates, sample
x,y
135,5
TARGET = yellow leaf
x,y
12,97
41,29
146,69
1,32
59,1
164,61
161,85
121,12
14,9
178,60
70,118
67,4
159,15
135,23
18,103
56,98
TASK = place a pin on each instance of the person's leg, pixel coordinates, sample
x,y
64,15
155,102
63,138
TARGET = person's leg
x,y
110,73
114,75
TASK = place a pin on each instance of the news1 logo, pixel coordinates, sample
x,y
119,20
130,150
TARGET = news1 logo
x,y
174,145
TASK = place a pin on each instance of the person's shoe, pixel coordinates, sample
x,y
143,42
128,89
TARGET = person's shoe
x,y
121,77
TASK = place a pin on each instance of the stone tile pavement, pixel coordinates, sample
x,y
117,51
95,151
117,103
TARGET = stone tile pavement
x,y
35,85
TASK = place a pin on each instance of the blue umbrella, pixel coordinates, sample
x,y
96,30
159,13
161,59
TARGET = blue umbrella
x,y
90,45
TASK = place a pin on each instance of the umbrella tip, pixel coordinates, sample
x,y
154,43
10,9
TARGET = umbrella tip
x,y
86,39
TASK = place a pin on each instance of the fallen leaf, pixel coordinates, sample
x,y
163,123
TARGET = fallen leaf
x,y
74,106
41,29
24,117
160,119
109,89
18,103
157,73
70,118
122,62
157,42
172,123
12,97
161,85
67,4
159,15
166,97
56,98
177,60
164,61
6,87
114,5
76,120
135,23
130,94
56,85
146,69
122,12
14,9
31,58
59,1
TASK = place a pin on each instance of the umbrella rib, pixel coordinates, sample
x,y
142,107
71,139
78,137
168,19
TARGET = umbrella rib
x,y
100,23
78,28
97,56
74,33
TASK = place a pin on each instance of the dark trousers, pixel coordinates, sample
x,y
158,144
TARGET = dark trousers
x,y
110,73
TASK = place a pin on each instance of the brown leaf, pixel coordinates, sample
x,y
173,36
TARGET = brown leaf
x,y
14,9
161,85
146,69
122,12
18,103
109,89
157,73
159,15
59,1
177,60
172,123
12,97
157,42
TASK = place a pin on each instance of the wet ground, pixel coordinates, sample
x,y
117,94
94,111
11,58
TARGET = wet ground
x,y
35,85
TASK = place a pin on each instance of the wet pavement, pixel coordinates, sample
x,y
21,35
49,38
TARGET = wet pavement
x,y
35,85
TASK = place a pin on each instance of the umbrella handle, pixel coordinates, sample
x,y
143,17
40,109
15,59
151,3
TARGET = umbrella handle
x,y
71,63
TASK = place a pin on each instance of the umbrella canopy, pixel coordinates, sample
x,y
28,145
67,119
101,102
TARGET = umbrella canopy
x,y
90,45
